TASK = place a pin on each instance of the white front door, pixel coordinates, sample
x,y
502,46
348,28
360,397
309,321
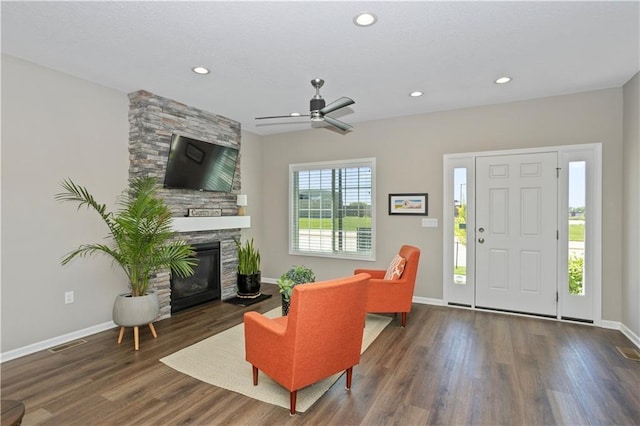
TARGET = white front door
x,y
516,233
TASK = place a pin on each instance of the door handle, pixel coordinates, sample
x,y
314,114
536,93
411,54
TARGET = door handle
x,y
481,240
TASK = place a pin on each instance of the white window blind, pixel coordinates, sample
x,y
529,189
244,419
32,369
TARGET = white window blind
x,y
333,209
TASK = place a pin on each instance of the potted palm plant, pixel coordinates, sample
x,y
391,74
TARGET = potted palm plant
x,y
141,242
248,269
294,276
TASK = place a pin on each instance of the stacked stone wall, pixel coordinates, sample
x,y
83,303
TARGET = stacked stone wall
x,y
152,121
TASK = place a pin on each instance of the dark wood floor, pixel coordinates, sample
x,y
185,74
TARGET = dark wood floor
x,y
448,366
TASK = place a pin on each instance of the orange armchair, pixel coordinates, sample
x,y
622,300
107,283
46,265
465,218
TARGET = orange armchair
x,y
393,296
321,336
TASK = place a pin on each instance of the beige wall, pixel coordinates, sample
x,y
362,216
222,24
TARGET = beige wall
x,y
56,126
631,207
409,155
251,164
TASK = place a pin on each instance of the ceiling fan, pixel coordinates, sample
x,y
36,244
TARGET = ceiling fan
x,y
318,110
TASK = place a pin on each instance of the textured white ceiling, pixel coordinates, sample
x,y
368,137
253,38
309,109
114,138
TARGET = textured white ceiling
x,y
264,54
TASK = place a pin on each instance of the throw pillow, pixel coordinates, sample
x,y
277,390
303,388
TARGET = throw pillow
x,y
396,268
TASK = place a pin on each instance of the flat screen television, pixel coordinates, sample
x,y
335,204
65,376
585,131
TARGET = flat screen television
x,y
200,165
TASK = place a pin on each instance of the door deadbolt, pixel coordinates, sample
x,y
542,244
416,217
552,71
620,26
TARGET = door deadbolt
x,y
480,229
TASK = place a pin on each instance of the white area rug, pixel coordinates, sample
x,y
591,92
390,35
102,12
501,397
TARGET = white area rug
x,y
219,360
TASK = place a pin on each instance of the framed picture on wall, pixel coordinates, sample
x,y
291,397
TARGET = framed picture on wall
x,y
416,204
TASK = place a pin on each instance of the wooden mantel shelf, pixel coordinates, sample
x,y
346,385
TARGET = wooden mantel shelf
x,y
190,224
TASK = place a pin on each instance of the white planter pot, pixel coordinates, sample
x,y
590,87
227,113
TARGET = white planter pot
x,y
134,311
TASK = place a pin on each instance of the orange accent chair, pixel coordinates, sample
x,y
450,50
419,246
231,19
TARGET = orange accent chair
x,y
394,296
321,336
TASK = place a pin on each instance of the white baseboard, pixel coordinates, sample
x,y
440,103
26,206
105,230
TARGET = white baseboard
x,y
612,325
428,301
615,325
630,335
55,341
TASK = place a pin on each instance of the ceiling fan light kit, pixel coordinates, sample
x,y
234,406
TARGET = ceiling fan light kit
x,y
318,109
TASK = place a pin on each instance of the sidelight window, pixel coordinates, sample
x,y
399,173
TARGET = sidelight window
x,y
577,226
460,225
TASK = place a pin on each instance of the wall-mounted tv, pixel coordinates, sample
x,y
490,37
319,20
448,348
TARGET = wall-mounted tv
x,y
200,165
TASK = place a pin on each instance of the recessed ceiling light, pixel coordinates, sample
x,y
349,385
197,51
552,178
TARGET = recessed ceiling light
x,y
415,94
200,70
295,114
503,80
365,19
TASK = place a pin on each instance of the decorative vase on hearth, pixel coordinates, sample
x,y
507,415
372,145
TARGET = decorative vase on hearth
x,y
249,285
248,269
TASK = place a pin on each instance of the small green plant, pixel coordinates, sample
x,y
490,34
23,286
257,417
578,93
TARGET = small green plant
x,y
460,270
576,268
248,258
285,286
294,276
461,219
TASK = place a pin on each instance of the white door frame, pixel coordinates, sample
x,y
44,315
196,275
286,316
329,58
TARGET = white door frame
x,y
593,273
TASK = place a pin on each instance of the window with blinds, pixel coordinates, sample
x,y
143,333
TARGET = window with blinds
x,y
333,209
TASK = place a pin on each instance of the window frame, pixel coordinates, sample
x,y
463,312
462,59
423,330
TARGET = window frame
x,y
336,164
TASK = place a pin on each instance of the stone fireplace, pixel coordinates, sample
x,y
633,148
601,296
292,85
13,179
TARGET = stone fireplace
x,y
152,121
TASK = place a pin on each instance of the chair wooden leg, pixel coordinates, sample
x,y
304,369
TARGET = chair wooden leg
x,y
404,319
136,338
153,330
121,335
349,377
255,375
292,399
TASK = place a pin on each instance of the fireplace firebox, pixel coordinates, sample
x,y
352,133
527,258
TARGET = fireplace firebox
x,y
204,285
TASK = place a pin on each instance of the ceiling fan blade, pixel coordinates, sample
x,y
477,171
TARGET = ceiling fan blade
x,y
337,123
337,104
282,116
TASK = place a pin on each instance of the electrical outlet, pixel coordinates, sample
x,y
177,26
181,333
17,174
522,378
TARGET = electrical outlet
x,y
68,297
